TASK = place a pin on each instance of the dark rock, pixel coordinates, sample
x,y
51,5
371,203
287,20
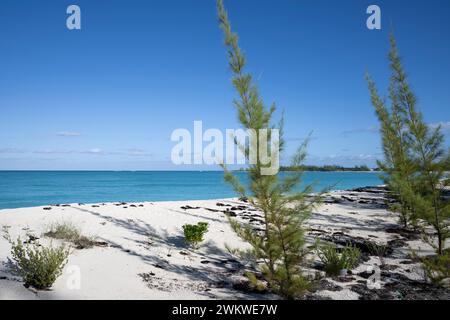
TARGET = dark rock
x,y
232,261
348,199
408,234
332,200
364,245
47,208
86,243
233,214
189,207
400,287
397,243
219,204
238,208
244,285
362,281
345,279
31,239
371,189
324,284
388,267
366,274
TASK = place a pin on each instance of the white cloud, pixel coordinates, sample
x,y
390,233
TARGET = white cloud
x,y
12,150
445,125
52,151
371,129
95,151
137,152
68,134
300,139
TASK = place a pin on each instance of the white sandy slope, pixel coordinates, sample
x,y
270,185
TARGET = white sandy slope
x,y
148,239
142,240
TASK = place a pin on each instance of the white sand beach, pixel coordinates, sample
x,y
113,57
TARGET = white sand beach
x,y
145,257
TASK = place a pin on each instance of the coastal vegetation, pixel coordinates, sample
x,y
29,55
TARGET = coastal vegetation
x,y
38,265
378,250
194,233
69,232
277,249
437,268
415,162
336,259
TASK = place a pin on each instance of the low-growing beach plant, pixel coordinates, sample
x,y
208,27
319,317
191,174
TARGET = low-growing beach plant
x,y
378,250
415,160
69,232
38,265
336,260
437,268
278,248
63,231
194,233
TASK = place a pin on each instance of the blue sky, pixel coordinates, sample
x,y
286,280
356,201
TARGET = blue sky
x,y
108,97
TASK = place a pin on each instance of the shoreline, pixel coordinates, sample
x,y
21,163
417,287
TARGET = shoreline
x,y
34,189
162,201
145,256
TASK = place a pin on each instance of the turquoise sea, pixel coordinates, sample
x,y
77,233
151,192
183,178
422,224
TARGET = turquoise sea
x,y
37,188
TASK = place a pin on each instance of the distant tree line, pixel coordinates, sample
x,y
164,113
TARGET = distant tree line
x,y
324,168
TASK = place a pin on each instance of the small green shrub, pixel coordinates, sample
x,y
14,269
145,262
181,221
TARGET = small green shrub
x,y
437,268
63,231
351,256
378,250
335,261
193,233
69,232
38,266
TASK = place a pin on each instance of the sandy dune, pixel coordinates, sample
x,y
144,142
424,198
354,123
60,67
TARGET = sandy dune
x,y
146,257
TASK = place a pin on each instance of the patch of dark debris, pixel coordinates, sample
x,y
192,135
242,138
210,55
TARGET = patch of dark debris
x,y
400,287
